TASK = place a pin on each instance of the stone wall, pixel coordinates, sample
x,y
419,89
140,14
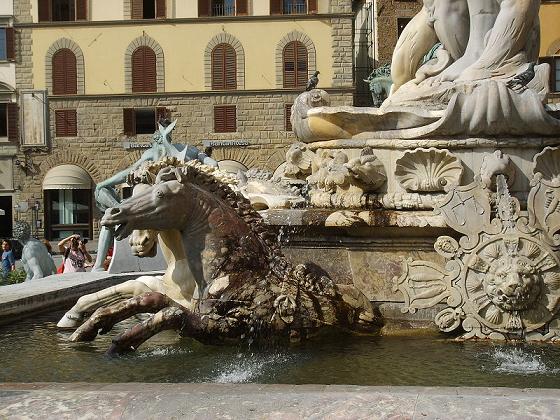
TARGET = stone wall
x,y
342,36
387,33
98,148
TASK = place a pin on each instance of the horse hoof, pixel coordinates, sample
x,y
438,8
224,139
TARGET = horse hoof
x,y
70,321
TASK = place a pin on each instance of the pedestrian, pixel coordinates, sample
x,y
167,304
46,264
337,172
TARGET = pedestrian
x,y
74,256
8,259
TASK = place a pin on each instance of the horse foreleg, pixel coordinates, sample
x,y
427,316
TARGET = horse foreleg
x,y
171,318
103,319
88,303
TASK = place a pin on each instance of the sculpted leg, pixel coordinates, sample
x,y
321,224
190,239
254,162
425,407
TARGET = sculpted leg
x,y
103,319
508,44
105,241
415,41
170,318
88,303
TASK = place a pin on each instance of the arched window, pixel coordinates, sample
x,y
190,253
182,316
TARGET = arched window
x,y
144,70
64,74
294,58
224,67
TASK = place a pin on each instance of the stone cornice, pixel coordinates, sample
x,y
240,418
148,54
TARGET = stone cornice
x,y
175,21
250,92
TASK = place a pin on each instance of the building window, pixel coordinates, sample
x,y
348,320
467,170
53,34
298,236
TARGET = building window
x,y
7,52
401,24
295,60
3,120
66,123
144,70
62,10
288,117
224,67
68,211
225,119
64,73
148,9
554,63
292,7
9,115
222,7
142,120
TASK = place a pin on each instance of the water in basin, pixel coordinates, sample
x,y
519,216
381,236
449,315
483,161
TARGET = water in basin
x,y
34,350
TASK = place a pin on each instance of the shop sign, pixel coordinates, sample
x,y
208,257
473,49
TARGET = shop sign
x,y
129,145
225,143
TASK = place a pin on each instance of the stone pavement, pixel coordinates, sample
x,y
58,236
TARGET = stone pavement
x,y
254,401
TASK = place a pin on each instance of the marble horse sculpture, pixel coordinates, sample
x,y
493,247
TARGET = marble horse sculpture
x,y
226,279
473,85
106,196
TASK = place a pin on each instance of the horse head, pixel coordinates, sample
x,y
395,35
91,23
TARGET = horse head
x,y
158,207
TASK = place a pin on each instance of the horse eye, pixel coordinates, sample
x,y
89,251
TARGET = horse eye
x,y
159,194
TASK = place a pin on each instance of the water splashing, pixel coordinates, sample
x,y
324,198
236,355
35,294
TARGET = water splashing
x,y
519,361
247,368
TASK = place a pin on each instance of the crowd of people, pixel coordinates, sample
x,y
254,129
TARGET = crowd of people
x,y
75,256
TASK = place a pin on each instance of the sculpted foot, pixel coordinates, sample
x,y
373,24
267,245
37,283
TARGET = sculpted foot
x,y
70,320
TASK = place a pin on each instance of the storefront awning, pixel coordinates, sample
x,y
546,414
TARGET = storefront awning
x,y
67,177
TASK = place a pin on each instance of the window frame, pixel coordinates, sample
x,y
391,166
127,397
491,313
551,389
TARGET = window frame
x,y
70,127
228,124
145,84
69,87
226,77
130,121
46,12
297,83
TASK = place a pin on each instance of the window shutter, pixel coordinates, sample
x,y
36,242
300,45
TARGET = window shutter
x,y
161,9
312,6
13,118
275,7
241,7
289,65
81,9
66,123
144,70
10,44
302,73
137,9
218,67
224,67
219,119
65,81
287,117
129,121
203,8
44,7
231,120
225,119
230,67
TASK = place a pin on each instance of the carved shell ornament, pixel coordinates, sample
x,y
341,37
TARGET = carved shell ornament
x,y
547,163
428,170
298,161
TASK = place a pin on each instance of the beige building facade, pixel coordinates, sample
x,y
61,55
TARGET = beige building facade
x,y
8,121
94,76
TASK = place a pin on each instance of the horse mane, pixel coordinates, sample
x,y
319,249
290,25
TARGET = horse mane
x,y
221,184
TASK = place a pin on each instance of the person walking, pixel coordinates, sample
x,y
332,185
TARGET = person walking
x,y
74,256
8,259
